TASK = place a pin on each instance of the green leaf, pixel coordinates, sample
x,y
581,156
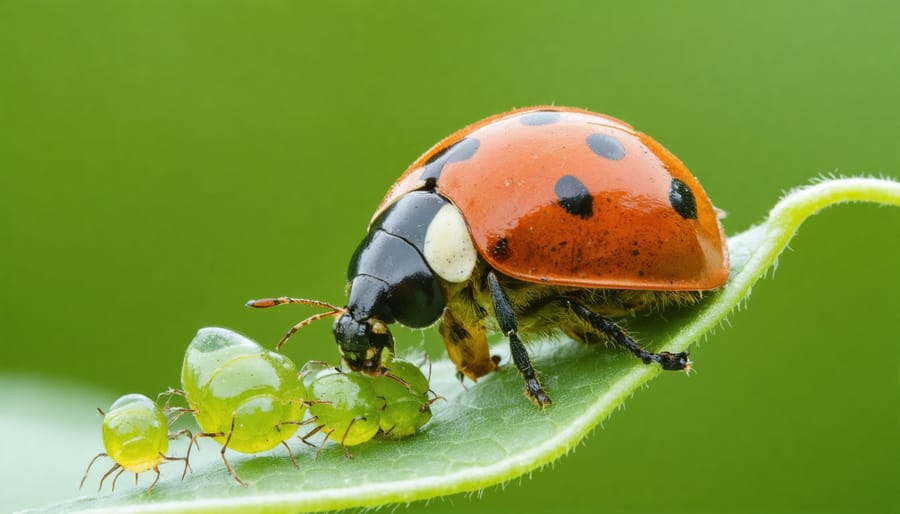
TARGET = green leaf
x,y
487,433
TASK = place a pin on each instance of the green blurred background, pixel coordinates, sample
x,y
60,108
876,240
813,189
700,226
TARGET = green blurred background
x,y
161,162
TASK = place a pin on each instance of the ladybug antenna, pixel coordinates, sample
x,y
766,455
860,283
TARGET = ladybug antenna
x,y
333,310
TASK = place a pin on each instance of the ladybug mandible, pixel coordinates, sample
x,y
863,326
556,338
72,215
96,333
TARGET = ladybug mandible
x,y
538,220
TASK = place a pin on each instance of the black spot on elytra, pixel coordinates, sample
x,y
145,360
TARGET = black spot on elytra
x,y
460,151
606,146
500,250
682,199
574,197
540,118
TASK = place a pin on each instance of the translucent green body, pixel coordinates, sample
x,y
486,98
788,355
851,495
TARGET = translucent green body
x,y
345,406
228,377
135,433
406,406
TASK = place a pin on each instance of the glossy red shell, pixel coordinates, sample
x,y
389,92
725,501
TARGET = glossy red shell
x,y
631,237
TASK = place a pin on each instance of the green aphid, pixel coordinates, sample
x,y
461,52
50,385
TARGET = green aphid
x,y
245,397
404,390
343,406
136,437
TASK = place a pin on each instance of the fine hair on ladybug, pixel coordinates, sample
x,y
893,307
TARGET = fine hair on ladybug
x,y
136,437
534,222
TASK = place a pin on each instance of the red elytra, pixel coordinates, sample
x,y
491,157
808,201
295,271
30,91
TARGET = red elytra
x,y
564,196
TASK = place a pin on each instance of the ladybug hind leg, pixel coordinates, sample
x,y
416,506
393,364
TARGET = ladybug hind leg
x,y
615,333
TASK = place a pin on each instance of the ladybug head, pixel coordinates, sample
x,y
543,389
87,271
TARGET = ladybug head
x,y
363,342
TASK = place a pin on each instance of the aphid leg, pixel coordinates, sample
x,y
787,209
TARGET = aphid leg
x,y
116,478
324,440
225,460
88,470
429,369
179,411
290,454
168,409
333,310
299,424
169,393
155,480
668,360
508,324
311,433
105,475
193,443
427,404
187,466
176,435
344,437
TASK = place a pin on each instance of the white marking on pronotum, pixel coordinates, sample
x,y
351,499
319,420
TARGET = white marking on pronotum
x,y
448,246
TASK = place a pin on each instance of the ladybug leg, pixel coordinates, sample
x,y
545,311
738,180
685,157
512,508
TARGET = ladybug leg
x,y
508,324
467,346
668,360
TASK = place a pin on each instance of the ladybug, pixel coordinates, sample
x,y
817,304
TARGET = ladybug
x,y
534,221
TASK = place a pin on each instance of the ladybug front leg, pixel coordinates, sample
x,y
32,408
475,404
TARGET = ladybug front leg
x,y
668,360
506,318
467,346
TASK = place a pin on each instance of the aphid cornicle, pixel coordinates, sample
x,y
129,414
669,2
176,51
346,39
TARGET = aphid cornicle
x,y
136,437
531,222
245,397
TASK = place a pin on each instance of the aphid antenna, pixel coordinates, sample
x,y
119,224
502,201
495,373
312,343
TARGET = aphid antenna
x,y
332,310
